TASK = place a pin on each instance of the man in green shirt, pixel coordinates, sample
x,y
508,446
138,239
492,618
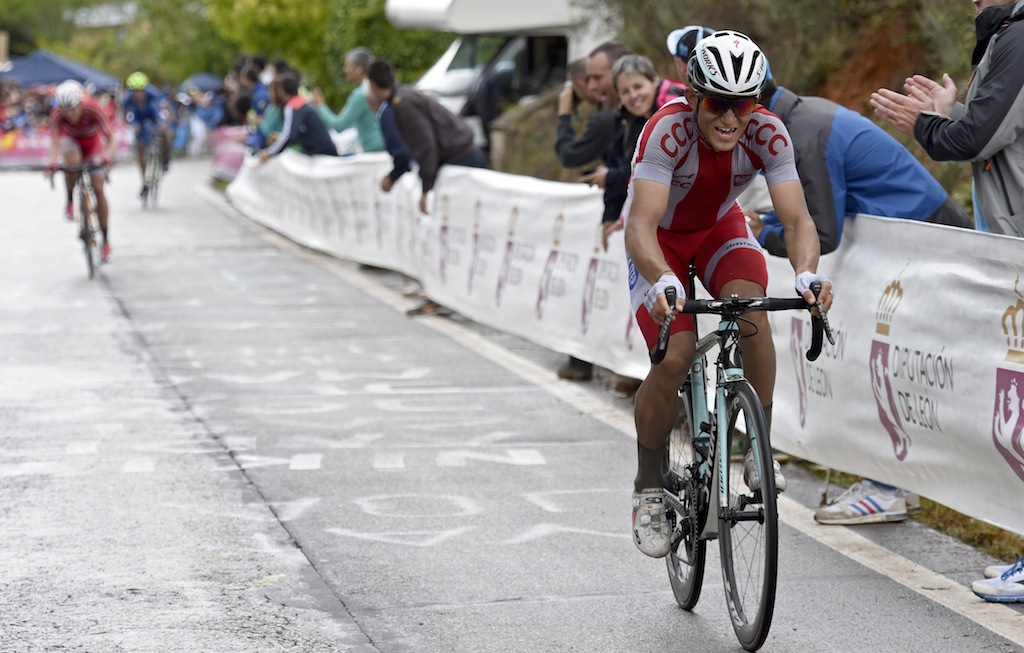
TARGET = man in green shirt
x,y
356,112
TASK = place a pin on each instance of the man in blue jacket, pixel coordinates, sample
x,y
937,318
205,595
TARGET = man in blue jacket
x,y
849,165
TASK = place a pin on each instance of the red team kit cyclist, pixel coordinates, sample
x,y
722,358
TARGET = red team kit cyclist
x,y
693,159
80,134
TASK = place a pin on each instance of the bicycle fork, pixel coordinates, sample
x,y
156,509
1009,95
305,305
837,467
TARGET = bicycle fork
x,y
704,446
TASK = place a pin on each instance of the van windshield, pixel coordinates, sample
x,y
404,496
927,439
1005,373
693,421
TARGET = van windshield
x,y
455,71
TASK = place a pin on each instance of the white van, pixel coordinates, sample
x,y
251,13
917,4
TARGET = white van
x,y
507,51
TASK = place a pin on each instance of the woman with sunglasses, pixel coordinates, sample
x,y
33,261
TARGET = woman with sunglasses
x,y
692,160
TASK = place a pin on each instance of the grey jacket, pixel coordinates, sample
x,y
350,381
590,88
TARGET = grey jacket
x,y
988,130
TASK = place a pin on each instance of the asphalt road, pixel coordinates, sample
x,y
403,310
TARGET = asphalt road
x,y
230,443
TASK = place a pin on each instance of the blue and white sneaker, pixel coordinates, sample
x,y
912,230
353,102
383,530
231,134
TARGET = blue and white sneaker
x,y
863,503
1007,588
1016,571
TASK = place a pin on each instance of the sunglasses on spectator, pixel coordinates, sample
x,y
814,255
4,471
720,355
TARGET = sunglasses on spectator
x,y
741,106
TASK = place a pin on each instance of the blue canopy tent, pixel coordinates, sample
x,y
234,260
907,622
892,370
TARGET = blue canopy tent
x,y
205,82
43,67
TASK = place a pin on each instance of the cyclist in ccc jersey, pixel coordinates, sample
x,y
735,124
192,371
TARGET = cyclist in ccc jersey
x,y
693,158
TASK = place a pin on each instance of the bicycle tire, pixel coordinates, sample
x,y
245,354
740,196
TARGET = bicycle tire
x,y
86,231
685,562
154,168
749,530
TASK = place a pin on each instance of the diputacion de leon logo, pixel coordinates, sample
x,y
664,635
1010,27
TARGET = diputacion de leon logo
x,y
544,289
878,368
1008,421
906,380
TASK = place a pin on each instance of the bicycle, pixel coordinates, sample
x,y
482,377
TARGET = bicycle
x,y
153,171
711,457
87,217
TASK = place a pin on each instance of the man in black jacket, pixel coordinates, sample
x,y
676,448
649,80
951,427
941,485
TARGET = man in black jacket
x,y
302,124
434,135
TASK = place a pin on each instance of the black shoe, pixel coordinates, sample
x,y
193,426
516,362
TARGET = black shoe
x,y
144,192
576,370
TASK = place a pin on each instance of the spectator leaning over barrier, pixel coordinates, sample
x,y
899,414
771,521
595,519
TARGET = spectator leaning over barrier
x,y
849,165
356,112
393,143
987,129
302,124
434,135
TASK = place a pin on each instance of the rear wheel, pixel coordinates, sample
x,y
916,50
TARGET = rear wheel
x,y
749,524
686,559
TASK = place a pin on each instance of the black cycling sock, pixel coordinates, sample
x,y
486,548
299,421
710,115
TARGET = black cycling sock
x,y
651,467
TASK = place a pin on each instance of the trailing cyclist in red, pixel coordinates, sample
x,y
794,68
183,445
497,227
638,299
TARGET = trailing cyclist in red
x,y
80,133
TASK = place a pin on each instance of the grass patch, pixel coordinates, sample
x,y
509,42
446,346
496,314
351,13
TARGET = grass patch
x,y
992,540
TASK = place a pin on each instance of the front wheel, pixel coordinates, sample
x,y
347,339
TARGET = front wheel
x,y
749,521
686,559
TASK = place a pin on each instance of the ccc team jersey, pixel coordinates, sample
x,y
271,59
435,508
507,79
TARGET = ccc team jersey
x,y
704,184
92,123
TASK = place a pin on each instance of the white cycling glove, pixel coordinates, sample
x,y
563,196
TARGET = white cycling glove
x,y
805,279
664,281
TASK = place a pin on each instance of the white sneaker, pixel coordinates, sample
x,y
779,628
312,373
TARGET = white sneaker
x,y
753,481
863,503
999,590
650,529
1012,573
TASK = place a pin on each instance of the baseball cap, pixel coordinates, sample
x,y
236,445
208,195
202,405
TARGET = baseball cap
x,y
680,42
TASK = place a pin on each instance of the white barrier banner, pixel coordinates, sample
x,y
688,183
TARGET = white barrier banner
x,y
923,388
334,204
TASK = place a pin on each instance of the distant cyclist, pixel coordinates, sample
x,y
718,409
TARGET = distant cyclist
x,y
142,112
79,129
692,160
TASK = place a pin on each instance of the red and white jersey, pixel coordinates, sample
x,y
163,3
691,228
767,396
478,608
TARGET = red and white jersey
x,y
670,152
93,121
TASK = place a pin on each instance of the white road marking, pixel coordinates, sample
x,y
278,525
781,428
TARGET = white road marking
x,y
408,505
539,531
419,539
89,448
512,457
305,462
138,466
389,460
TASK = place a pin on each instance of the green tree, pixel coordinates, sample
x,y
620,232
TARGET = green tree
x,y
32,22
363,23
293,30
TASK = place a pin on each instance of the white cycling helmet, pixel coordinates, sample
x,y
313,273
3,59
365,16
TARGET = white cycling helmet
x,y
728,63
69,94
